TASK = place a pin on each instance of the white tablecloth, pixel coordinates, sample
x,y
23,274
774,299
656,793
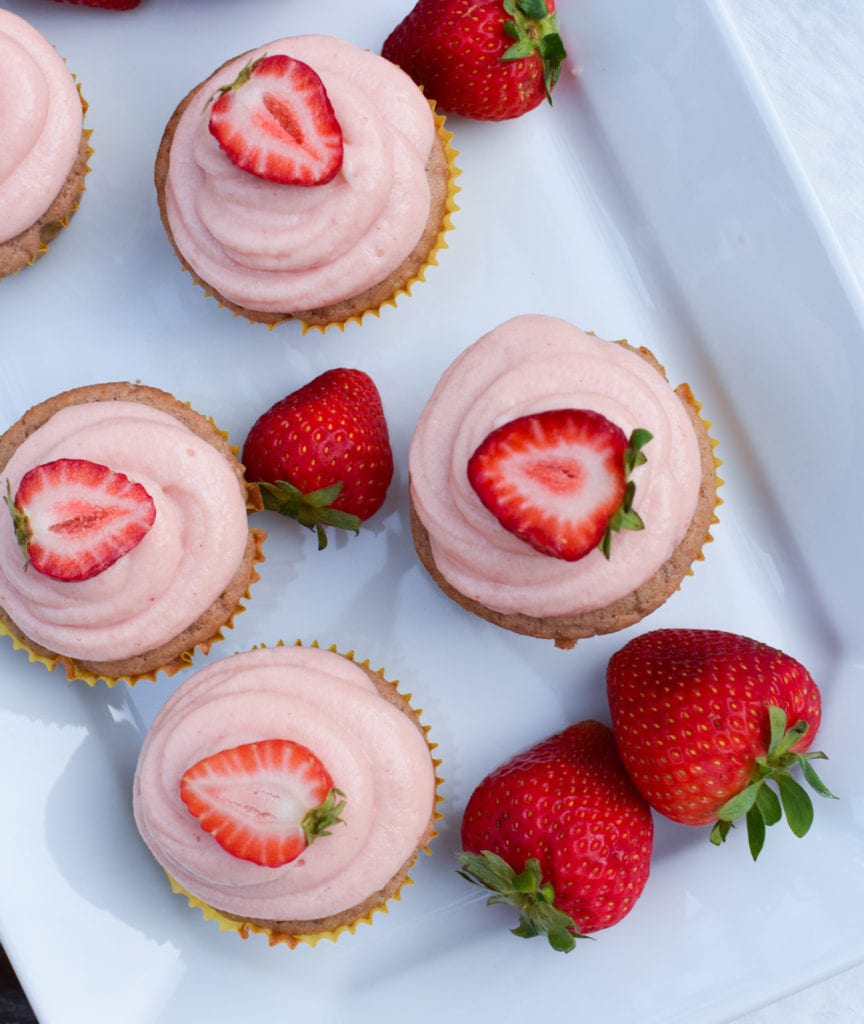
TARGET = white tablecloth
x,y
809,55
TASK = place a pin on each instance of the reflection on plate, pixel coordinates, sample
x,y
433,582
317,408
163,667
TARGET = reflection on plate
x,y
626,208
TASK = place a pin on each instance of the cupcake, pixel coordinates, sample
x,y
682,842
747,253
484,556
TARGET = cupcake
x,y
306,179
43,159
127,543
559,487
287,791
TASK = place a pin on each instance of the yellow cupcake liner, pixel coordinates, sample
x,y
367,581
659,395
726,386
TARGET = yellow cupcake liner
x,y
244,927
75,672
450,208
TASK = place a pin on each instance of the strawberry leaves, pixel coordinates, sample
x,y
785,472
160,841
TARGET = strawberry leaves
x,y
625,517
535,30
525,890
758,804
313,510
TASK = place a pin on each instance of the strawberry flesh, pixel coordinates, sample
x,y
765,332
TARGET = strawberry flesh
x,y
557,480
74,518
264,802
275,120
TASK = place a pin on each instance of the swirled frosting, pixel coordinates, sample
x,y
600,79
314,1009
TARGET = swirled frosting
x,y
530,364
179,569
375,754
41,115
281,248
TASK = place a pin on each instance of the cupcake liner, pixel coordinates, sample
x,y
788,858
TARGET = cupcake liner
x,y
453,172
244,927
684,392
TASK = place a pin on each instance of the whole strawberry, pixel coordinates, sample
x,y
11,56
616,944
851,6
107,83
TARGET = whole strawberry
x,y
705,720
561,833
489,60
322,454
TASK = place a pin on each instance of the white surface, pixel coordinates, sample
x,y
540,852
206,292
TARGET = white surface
x,y
655,201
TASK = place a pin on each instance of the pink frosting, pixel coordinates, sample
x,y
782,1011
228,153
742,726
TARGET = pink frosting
x,y
41,115
375,754
280,248
179,569
530,364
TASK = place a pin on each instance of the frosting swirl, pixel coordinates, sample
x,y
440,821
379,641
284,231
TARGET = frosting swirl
x,y
530,364
280,248
374,752
42,119
182,565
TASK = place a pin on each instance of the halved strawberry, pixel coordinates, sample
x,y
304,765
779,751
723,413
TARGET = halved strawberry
x,y
263,802
276,121
73,518
559,480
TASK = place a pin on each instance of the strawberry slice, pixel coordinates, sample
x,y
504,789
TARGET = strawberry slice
x,y
559,480
263,802
73,518
275,120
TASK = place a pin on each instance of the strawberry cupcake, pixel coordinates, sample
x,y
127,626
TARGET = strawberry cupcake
x,y
43,159
125,541
306,179
559,487
287,791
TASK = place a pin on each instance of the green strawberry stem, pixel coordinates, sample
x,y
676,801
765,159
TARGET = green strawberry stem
x,y
20,524
535,30
624,517
317,821
525,890
311,510
758,804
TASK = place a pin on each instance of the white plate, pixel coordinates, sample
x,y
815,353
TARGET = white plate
x,y
654,201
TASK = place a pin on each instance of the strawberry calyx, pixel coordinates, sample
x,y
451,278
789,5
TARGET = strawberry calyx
x,y
759,804
525,890
313,510
317,821
534,29
625,517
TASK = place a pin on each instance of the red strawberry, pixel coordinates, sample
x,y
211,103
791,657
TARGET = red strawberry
x,y
264,802
485,59
275,120
560,480
73,518
108,5
561,833
322,455
700,717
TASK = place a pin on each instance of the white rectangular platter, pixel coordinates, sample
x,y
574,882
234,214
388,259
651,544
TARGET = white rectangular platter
x,y
654,201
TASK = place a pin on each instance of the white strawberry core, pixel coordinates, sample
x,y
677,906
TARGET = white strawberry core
x,y
41,114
